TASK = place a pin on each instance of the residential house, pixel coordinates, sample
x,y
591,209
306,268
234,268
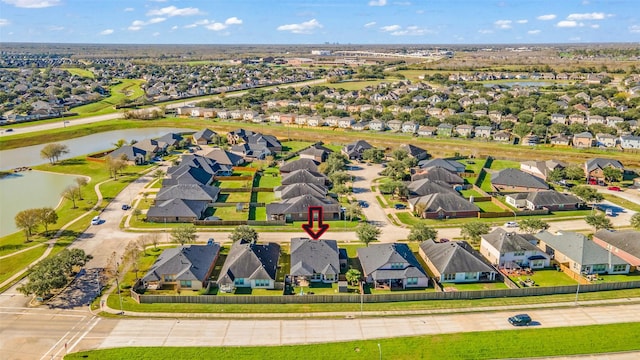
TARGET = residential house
x,y
188,192
315,260
558,118
426,130
445,129
354,150
205,136
297,208
580,255
377,125
593,168
450,165
299,189
316,152
394,125
391,266
613,121
606,140
443,206
172,139
464,130
132,154
316,121
224,157
560,140
424,187
622,243
183,267
250,265
187,174
299,164
483,131
455,262
541,169
595,119
414,151
577,119
305,176
502,136
346,122
630,142
545,199
440,175
360,126
332,121
177,210
529,140
409,127
510,180
510,250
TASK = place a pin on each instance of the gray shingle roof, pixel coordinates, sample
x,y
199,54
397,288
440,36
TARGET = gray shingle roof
x,y
448,202
375,256
578,247
300,204
299,189
250,261
314,256
304,176
440,174
206,134
413,150
316,151
600,163
131,152
189,262
454,257
450,165
625,240
551,197
505,241
515,177
178,208
189,192
355,149
426,186
224,157
299,164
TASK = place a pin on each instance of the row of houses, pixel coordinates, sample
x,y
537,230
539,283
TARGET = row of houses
x,y
394,266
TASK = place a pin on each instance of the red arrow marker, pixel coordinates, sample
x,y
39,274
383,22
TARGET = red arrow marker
x,y
308,227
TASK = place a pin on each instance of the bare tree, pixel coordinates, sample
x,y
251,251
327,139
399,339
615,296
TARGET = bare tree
x,y
81,181
27,220
71,193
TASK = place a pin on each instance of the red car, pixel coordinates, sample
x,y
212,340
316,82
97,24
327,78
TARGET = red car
x,y
614,188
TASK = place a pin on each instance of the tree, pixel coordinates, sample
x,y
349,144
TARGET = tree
x,y
158,174
339,177
81,181
373,155
335,162
533,225
367,233
574,172
54,272
353,211
422,232
396,170
120,143
598,221
635,221
244,232
137,212
399,154
184,234
47,216
612,174
353,276
587,194
53,151
71,193
114,166
472,230
555,175
27,220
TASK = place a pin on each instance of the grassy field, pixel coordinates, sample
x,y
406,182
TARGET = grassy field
x,y
9,266
269,180
488,206
408,219
523,343
81,72
620,201
295,146
127,89
475,286
355,85
549,277
230,213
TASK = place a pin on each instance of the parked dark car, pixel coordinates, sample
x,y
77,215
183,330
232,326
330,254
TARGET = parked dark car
x,y
125,207
520,320
9,130
400,206
363,204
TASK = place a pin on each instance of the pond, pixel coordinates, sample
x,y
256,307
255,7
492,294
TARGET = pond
x,y
28,190
30,155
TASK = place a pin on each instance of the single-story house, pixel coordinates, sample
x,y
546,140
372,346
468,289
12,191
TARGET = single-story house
x,y
305,176
415,152
450,165
438,174
188,192
442,206
297,208
177,210
132,154
623,243
224,157
455,262
250,265
315,260
299,189
424,187
300,164
512,250
183,267
392,266
516,180
549,199
316,152
579,254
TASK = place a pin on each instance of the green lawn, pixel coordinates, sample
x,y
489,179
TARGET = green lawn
x,y
354,85
547,277
497,164
233,184
81,72
230,213
13,264
620,201
475,286
470,192
266,197
294,146
270,180
634,276
233,197
258,213
488,206
523,343
126,89
485,185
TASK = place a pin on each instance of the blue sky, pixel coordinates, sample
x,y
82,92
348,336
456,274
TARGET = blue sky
x,y
317,22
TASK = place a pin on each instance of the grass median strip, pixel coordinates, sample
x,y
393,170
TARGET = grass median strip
x,y
474,345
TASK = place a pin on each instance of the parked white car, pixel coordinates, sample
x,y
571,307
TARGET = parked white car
x,y
96,220
511,224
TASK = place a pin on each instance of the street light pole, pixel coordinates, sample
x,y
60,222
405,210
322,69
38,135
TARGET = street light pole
x,y
380,351
118,286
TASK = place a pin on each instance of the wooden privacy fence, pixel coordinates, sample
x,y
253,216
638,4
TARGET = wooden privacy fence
x,y
239,222
380,298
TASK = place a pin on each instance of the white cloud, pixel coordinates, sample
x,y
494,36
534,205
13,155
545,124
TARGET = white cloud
x,y
634,29
156,34
198,23
595,26
587,16
485,31
4,22
411,31
156,20
129,9
390,28
546,17
306,27
174,27
233,21
33,4
377,2
533,32
567,24
218,26
174,11
503,24
523,21
139,24
106,32
56,28
370,24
